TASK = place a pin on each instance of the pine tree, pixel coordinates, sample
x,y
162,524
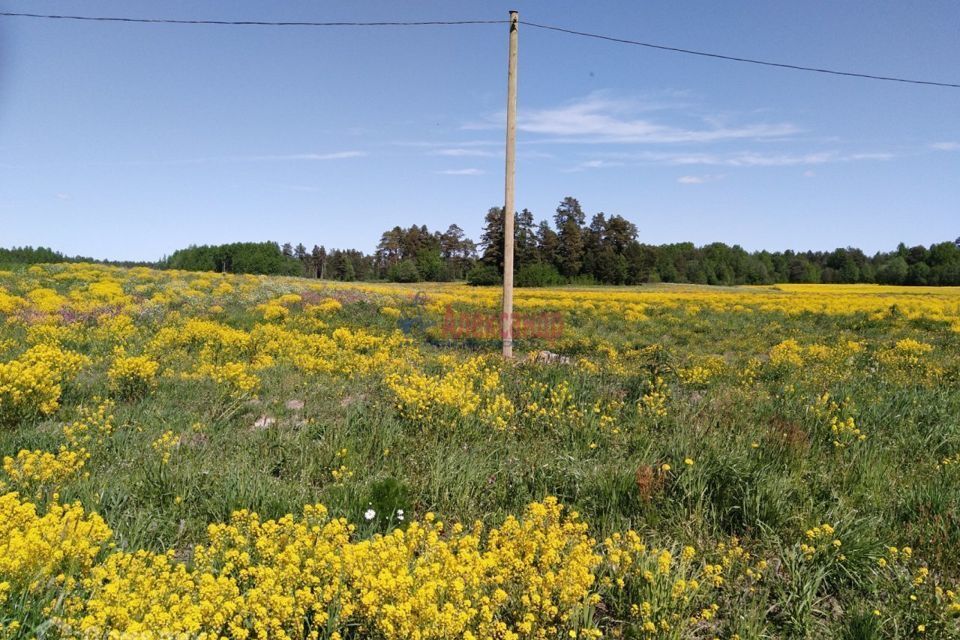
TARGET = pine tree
x,y
525,247
491,241
317,256
548,244
569,223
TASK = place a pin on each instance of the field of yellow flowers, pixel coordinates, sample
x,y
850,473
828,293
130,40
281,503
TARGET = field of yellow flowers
x,y
197,455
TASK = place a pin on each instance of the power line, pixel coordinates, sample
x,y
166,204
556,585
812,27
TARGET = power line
x,y
252,23
737,59
425,23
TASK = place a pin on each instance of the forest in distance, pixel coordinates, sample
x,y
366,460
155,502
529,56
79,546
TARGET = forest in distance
x,y
605,250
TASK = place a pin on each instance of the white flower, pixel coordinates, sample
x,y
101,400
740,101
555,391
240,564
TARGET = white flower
x,y
400,515
370,514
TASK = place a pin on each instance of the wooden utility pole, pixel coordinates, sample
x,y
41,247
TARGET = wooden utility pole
x,y
506,329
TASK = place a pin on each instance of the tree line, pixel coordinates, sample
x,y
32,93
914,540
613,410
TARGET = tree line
x,y
607,251
566,249
569,249
31,255
27,255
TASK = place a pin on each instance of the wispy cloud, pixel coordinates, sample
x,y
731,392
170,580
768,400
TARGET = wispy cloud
x,y
598,118
173,162
434,144
285,157
754,159
478,149
461,152
337,155
595,164
699,179
735,159
62,196
462,172
530,154
946,146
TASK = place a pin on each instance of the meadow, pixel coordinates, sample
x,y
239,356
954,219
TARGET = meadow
x,y
201,455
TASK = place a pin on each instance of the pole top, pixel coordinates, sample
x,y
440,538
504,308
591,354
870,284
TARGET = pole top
x,y
514,13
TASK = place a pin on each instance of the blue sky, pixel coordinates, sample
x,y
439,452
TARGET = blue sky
x,y
129,141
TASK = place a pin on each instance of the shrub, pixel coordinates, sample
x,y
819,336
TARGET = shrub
x,y
31,384
482,275
42,469
27,389
538,274
132,376
404,271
